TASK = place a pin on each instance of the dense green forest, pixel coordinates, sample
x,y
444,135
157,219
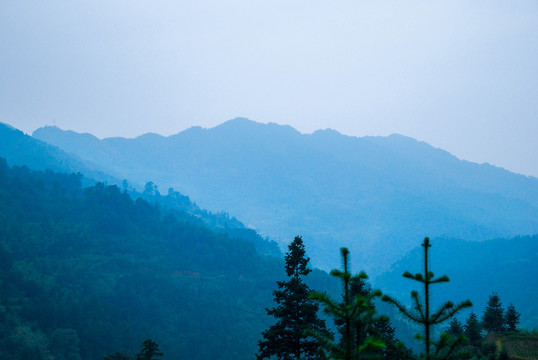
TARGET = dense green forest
x,y
92,272
108,271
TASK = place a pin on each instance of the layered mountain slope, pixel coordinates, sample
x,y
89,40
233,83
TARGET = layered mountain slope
x,y
100,272
23,150
376,195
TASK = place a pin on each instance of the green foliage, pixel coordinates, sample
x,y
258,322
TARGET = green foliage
x,y
380,327
118,270
356,314
421,313
295,313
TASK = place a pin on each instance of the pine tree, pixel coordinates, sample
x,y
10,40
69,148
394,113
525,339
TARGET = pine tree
x,y
150,351
445,346
295,313
357,316
455,328
493,317
380,327
394,348
512,318
471,330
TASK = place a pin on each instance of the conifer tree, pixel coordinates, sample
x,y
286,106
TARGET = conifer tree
x,y
471,330
455,327
421,313
295,313
357,316
379,328
512,318
493,317
150,351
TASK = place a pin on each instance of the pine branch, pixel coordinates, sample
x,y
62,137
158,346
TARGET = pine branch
x,y
441,279
402,308
455,309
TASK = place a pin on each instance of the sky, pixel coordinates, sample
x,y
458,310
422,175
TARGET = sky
x,y
460,75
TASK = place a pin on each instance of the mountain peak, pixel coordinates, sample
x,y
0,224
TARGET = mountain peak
x,y
238,122
46,132
243,126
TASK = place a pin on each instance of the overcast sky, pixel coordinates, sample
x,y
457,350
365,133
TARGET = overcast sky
x,y
460,75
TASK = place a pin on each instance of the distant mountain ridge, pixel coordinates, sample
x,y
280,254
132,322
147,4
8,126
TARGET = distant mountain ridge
x,y
20,149
376,195
23,150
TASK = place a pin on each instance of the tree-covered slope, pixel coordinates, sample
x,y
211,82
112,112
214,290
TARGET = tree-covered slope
x,y
23,150
476,270
95,265
376,195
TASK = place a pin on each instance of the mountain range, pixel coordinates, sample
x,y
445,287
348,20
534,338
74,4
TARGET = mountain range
x,y
97,259
379,196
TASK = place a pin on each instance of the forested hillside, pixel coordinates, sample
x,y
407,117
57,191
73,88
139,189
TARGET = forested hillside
x,y
23,150
101,272
376,195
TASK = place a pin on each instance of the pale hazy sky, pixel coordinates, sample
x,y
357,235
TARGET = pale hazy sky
x,y
460,75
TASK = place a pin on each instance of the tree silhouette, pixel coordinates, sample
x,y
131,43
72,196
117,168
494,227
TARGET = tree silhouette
x,y
379,328
512,318
493,317
295,313
455,327
357,316
421,312
471,330
150,351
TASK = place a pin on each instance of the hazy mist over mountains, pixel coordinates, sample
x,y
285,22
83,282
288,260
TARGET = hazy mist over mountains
x,y
377,195
148,260
187,174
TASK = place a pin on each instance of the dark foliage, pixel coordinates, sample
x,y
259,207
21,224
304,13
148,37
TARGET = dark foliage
x,y
95,266
493,317
150,351
381,327
356,316
455,327
118,356
472,330
512,318
295,313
